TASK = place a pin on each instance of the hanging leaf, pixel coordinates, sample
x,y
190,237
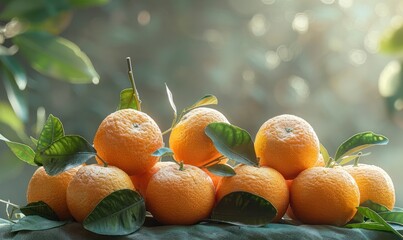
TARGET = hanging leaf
x,y
221,170
22,151
33,11
65,153
392,40
16,70
51,131
233,142
40,209
15,96
204,101
56,57
35,223
171,100
120,213
127,99
359,142
9,118
244,208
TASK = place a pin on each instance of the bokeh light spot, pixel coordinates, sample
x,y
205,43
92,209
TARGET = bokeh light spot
x,y
144,18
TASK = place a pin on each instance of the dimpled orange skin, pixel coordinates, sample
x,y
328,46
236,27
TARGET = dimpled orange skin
x,y
264,182
140,181
322,195
180,197
288,144
374,184
51,190
126,139
188,140
90,185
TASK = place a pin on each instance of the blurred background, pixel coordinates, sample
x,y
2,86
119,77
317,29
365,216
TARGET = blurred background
x,y
335,63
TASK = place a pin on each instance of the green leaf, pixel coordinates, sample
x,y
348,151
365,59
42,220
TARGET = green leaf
x,y
374,206
87,3
40,209
371,214
221,170
233,142
35,223
16,70
171,101
56,57
368,225
22,151
65,153
120,213
325,154
33,11
392,217
163,152
9,118
15,96
34,141
392,40
358,142
127,99
346,159
204,101
244,208
51,131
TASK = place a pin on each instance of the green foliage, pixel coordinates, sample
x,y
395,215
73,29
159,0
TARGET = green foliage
x,y
16,97
120,213
22,151
244,208
35,223
51,131
40,209
56,57
233,142
221,170
391,41
127,99
358,142
163,152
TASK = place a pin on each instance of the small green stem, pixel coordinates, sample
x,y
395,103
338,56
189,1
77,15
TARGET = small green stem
x,y
166,131
357,159
103,161
329,163
131,78
181,167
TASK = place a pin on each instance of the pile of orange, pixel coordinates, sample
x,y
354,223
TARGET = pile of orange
x,y
291,173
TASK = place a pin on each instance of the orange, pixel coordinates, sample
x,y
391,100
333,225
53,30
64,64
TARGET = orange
x,y
90,185
126,139
322,195
188,140
288,144
374,184
319,163
140,181
180,197
264,182
51,190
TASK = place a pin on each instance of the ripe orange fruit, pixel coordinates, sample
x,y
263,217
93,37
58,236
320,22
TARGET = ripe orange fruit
x,y
90,185
126,139
140,181
264,182
374,184
188,140
322,195
51,190
181,197
288,144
